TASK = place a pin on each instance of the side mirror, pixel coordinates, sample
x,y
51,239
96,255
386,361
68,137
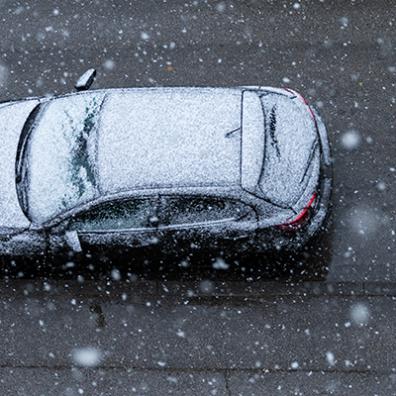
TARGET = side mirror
x,y
86,80
73,241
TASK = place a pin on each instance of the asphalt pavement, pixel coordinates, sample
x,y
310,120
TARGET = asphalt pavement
x,y
218,332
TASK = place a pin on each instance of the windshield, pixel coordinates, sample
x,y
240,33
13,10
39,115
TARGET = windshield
x,y
56,168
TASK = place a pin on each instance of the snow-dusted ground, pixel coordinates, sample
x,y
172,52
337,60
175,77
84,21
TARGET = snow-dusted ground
x,y
342,58
232,338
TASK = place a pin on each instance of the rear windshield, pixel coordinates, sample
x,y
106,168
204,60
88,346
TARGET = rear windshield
x,y
290,143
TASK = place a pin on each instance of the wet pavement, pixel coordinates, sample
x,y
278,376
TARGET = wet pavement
x,y
243,332
222,338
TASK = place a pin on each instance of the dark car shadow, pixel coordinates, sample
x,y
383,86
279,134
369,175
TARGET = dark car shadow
x,y
309,264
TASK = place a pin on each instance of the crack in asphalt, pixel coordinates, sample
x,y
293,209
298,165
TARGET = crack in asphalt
x,y
220,370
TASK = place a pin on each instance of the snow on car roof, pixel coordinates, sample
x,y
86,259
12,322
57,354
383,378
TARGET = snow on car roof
x,y
169,138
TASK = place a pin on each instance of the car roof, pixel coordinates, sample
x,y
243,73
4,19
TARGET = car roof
x,y
171,137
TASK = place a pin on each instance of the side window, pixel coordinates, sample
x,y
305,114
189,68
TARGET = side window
x,y
119,215
192,209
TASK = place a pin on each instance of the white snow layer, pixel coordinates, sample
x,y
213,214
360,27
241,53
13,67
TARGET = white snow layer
x,y
12,119
169,137
290,138
62,155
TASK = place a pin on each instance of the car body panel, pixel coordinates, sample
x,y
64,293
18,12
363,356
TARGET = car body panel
x,y
179,139
102,146
31,243
126,231
291,142
188,222
163,138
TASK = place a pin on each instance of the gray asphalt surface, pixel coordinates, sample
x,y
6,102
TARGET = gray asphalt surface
x,y
235,337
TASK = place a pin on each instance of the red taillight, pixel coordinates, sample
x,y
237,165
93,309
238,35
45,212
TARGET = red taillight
x,y
300,219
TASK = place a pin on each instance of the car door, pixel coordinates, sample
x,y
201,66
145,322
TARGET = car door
x,y
115,228
24,243
188,223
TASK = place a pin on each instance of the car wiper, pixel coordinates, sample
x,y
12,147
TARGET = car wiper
x,y
310,158
21,156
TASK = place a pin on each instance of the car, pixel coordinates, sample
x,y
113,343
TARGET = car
x,y
179,169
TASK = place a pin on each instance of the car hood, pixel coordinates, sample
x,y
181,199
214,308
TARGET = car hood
x,y
12,119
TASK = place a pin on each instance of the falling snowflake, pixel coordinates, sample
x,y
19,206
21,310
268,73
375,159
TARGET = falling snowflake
x,y
220,264
330,358
144,36
3,74
295,365
360,314
220,7
351,139
115,274
86,357
206,286
109,64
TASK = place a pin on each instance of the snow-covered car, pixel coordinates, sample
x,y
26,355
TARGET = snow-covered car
x,y
176,168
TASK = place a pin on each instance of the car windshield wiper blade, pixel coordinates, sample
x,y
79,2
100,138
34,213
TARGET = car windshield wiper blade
x,y
20,164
